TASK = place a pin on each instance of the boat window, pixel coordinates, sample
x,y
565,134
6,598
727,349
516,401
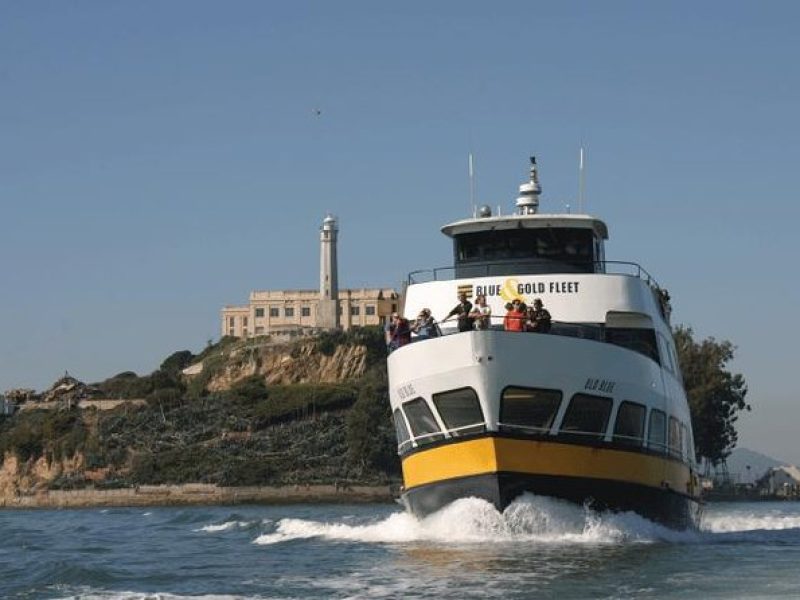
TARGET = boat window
x,y
586,416
554,245
586,331
657,431
401,430
460,411
685,442
528,409
689,441
675,361
675,443
423,423
642,341
666,357
629,426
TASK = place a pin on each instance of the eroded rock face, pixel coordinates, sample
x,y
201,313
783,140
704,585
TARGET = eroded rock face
x,y
291,363
9,481
25,477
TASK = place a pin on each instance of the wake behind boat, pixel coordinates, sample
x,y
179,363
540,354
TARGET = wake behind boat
x,y
584,402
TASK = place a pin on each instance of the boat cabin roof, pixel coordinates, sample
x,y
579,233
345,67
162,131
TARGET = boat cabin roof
x,y
534,221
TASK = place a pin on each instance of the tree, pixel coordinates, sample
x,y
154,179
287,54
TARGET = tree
x,y
716,396
370,432
176,362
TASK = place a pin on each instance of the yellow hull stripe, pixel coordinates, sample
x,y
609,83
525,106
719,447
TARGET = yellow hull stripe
x,y
535,457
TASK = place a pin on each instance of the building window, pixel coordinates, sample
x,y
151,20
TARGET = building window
x,y
244,321
230,321
259,312
460,411
259,330
528,409
355,311
305,311
273,312
587,416
657,432
288,311
231,332
370,311
339,309
394,307
629,427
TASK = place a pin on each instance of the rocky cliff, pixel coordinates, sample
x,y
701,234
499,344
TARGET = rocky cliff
x,y
241,413
284,364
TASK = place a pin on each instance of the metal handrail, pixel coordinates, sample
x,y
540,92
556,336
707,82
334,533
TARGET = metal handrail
x,y
415,440
531,428
640,441
497,324
601,434
440,273
427,435
402,445
662,448
463,427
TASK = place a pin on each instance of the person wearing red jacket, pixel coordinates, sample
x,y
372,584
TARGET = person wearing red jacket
x,y
515,317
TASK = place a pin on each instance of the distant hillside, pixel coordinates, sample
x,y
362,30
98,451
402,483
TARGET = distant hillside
x,y
759,464
312,411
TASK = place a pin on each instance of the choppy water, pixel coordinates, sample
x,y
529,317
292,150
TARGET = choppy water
x,y
539,548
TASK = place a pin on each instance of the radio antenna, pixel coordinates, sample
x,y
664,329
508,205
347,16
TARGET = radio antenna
x,y
581,181
472,206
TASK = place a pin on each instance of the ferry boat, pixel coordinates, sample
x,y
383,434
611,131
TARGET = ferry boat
x,y
594,411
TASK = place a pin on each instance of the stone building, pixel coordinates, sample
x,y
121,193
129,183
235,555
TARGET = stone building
x,y
273,312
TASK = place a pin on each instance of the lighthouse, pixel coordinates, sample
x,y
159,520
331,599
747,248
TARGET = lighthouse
x,y
328,275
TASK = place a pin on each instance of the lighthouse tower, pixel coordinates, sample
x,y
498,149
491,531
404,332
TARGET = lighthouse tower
x,y
328,317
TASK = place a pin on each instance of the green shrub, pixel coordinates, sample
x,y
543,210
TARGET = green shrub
x,y
370,432
29,435
177,362
126,385
371,337
301,401
251,389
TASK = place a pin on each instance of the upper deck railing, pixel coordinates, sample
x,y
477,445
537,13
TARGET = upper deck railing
x,y
538,267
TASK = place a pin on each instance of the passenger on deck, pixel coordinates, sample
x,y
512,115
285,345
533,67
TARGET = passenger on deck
x,y
515,317
462,310
425,327
398,332
481,313
539,320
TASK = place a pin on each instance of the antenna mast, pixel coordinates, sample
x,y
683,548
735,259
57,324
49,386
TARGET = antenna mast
x,y
472,206
581,182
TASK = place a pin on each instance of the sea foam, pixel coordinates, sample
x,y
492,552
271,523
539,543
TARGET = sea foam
x,y
471,520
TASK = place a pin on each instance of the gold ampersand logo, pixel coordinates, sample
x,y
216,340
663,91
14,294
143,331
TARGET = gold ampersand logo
x,y
509,292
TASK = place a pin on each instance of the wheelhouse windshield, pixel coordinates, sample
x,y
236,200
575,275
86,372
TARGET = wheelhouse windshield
x,y
551,248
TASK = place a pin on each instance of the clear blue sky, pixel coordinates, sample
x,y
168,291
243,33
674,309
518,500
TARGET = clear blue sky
x,y
161,159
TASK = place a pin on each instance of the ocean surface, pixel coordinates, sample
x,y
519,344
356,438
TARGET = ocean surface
x,y
538,548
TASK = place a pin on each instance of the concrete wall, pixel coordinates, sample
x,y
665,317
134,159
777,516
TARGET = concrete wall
x,y
194,494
